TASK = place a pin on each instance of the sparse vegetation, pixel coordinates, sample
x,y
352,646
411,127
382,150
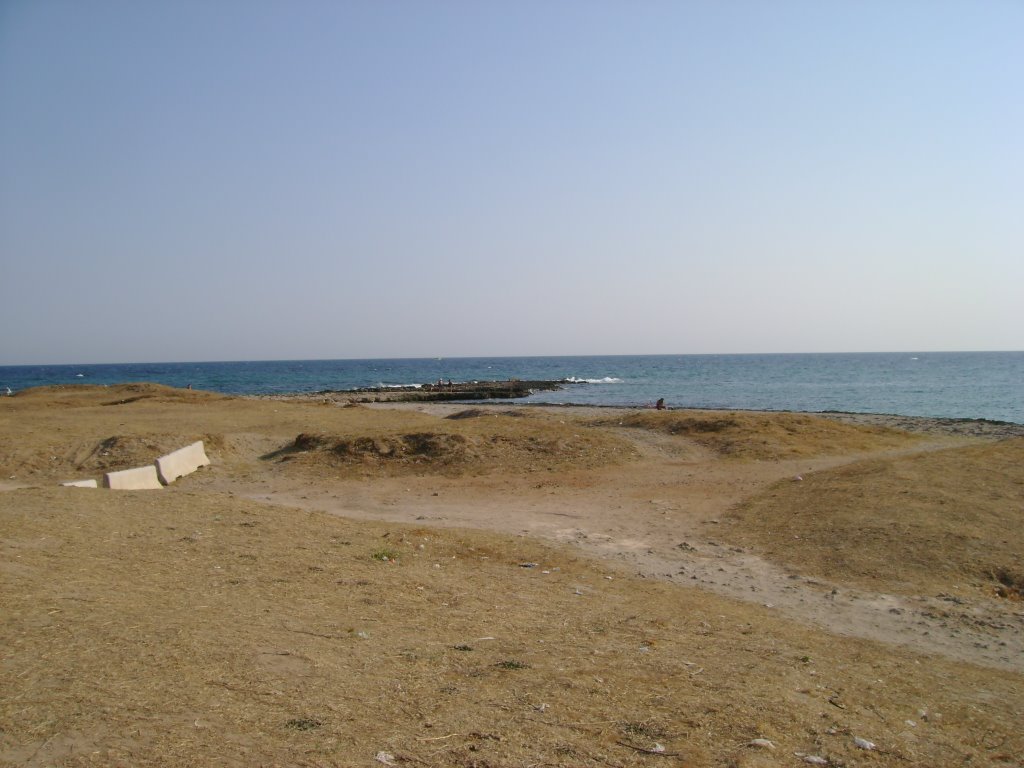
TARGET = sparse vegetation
x,y
512,664
201,624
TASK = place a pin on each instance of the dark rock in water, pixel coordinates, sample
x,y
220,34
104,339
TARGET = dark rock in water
x,y
460,390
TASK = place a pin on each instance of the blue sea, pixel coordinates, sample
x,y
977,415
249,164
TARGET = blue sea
x,y
971,385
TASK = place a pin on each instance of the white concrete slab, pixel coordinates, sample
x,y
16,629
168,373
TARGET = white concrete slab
x,y
138,479
81,484
181,462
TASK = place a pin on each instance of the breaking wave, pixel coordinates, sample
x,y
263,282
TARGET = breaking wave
x,y
605,380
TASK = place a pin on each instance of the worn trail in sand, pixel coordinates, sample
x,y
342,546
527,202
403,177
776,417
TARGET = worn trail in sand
x,y
663,518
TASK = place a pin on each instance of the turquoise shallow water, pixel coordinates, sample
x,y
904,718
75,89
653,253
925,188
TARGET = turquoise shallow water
x,y
978,385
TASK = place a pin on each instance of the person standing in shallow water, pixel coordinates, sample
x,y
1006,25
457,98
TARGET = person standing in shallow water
x,y
660,405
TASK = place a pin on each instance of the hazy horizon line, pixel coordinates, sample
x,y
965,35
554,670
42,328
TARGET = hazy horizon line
x,y
506,357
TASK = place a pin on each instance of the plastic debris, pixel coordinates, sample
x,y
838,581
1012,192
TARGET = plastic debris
x,y
658,747
385,757
762,743
863,743
815,760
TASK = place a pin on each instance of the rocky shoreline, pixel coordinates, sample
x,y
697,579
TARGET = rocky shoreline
x,y
456,392
440,391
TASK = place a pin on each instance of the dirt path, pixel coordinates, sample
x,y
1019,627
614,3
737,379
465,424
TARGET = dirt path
x,y
664,518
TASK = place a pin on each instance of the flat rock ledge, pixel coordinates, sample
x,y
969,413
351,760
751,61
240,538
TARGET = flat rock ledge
x,y
438,392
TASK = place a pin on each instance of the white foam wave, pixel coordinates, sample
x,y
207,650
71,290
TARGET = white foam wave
x,y
605,380
382,385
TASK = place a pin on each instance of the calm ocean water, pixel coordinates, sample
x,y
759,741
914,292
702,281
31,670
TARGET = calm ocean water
x,y
980,385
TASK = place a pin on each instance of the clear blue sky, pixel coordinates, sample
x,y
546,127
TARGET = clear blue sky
x,y
243,179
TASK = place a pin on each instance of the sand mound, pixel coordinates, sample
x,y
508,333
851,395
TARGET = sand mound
x,y
412,448
477,413
84,395
122,452
761,435
50,459
944,521
89,457
484,440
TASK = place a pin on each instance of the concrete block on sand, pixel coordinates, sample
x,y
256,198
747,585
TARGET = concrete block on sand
x,y
138,479
181,462
81,484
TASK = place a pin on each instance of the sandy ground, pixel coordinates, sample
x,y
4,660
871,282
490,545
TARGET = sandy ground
x,y
675,508
667,517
